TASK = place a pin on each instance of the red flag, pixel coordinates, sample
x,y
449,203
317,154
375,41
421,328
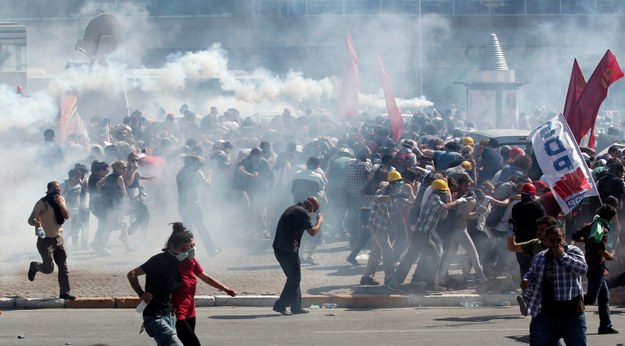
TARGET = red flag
x,y
70,121
585,112
576,86
394,115
351,83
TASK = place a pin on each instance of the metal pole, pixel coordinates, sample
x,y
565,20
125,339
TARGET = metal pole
x,y
420,80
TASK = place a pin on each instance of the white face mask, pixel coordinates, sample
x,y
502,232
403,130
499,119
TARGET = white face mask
x,y
191,253
180,256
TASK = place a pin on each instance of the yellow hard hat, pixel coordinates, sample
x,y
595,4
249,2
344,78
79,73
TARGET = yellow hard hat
x,y
394,175
468,141
440,185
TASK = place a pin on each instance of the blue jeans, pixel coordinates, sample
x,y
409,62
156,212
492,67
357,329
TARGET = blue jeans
x,y
291,294
546,330
598,293
162,329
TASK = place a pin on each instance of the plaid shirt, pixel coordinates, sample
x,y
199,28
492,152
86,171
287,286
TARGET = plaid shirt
x,y
568,271
356,174
380,220
384,207
431,212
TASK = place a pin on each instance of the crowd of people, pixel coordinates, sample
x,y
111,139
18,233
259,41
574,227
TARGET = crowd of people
x,y
409,202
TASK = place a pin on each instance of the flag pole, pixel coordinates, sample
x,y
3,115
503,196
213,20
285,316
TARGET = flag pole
x,y
579,152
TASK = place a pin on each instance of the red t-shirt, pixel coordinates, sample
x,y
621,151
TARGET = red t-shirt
x,y
183,298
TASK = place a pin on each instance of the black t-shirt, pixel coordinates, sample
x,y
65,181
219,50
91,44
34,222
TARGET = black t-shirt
x,y
161,280
525,214
111,191
291,226
241,181
594,251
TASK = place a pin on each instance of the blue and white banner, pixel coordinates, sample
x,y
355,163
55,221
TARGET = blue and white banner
x,y
561,161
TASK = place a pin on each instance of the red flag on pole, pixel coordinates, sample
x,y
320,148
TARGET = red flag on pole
x,y
394,115
70,121
348,104
576,86
585,111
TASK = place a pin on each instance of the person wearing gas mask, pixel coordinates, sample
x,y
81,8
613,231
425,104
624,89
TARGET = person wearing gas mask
x,y
48,216
425,243
183,299
393,201
162,279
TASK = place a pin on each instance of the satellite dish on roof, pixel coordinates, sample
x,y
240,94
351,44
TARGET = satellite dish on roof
x,y
101,37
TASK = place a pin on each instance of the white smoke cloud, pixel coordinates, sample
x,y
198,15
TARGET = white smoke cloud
x,y
377,102
108,80
23,112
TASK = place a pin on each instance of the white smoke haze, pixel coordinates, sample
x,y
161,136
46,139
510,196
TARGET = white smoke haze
x,y
205,77
23,112
24,119
377,102
108,80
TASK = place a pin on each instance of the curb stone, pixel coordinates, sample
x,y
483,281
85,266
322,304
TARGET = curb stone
x,y
254,300
7,303
91,303
39,303
342,301
204,301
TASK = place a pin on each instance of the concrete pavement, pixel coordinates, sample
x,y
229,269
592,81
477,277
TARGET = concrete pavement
x,y
499,326
100,282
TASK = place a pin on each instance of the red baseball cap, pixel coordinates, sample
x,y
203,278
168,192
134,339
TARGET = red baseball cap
x,y
539,184
529,189
515,152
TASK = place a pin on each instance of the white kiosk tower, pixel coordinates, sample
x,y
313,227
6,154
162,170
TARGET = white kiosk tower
x,y
13,67
493,92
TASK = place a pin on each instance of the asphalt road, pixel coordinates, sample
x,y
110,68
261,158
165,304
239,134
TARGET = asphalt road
x,y
261,326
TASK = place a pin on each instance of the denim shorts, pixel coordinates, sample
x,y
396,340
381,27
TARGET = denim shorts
x,y
162,329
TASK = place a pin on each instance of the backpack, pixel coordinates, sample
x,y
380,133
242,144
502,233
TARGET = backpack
x,y
502,191
401,162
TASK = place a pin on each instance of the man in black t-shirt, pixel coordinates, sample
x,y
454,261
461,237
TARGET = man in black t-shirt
x,y
294,221
524,216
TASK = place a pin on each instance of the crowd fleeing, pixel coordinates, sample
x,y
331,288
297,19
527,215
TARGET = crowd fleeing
x,y
410,203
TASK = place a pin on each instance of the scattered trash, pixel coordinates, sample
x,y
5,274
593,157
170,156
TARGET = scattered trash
x,y
21,336
330,314
314,306
329,306
504,303
471,304
68,343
